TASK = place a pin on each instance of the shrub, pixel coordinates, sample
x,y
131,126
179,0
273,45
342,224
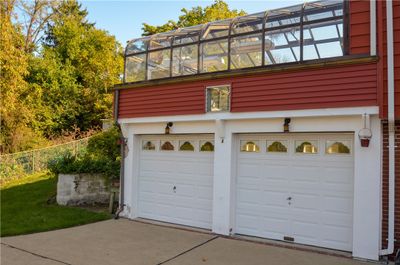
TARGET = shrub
x,y
102,156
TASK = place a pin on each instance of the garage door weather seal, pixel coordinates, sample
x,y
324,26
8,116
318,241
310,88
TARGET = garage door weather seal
x,y
186,251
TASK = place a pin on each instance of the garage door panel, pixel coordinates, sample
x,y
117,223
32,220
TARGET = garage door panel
x,y
250,171
148,196
274,198
338,204
305,202
339,237
202,216
305,196
249,196
336,219
176,186
205,193
343,177
161,166
249,224
200,168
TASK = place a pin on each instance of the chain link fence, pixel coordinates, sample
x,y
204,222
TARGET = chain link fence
x,y
19,164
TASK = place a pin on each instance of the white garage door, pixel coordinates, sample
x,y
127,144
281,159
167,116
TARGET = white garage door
x,y
176,178
296,187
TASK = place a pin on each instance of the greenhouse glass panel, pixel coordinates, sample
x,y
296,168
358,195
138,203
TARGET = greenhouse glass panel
x,y
310,52
283,17
216,29
187,35
323,9
184,60
214,56
282,46
322,37
246,51
138,45
325,37
159,41
248,23
159,64
135,68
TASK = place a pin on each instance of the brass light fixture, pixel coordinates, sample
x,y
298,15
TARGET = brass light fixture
x,y
286,125
168,127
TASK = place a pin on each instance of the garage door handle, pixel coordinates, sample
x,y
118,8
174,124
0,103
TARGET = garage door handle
x,y
289,198
174,189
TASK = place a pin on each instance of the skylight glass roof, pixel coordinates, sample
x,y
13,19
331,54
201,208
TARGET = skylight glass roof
x,y
307,31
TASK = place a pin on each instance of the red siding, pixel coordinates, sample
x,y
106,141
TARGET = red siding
x,y
174,99
346,86
323,88
383,51
359,27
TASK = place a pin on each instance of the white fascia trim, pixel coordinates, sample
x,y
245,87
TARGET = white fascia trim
x,y
256,115
372,7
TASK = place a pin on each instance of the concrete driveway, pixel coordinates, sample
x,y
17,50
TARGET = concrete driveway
x,y
129,242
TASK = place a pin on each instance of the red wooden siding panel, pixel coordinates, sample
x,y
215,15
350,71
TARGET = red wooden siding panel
x,y
323,88
359,27
174,99
346,86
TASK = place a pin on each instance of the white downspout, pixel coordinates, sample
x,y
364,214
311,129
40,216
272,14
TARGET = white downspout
x,y
391,125
372,44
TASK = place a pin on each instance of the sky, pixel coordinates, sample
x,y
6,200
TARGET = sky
x,y
124,18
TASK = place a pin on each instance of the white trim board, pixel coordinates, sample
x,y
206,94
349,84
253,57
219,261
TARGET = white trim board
x,y
257,115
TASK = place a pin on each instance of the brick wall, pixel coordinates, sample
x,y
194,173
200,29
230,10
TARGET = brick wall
x,y
385,179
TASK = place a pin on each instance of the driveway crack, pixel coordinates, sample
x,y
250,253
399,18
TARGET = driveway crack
x,y
35,254
186,251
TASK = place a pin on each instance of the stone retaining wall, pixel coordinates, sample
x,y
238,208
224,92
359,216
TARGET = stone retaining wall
x,y
79,189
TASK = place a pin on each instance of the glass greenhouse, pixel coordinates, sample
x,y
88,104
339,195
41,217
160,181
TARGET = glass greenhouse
x,y
298,33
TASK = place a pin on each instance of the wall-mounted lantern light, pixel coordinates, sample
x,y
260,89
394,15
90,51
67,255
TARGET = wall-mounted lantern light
x,y
365,134
168,127
286,125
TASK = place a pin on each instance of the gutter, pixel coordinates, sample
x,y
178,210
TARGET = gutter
x,y
391,129
123,144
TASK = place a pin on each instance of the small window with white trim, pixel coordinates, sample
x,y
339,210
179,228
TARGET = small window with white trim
x,y
186,146
167,146
206,146
307,147
249,146
148,145
277,146
218,98
338,147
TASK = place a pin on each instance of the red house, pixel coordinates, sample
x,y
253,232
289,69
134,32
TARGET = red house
x,y
281,125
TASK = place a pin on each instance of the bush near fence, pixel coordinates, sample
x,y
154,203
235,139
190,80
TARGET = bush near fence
x,y
19,164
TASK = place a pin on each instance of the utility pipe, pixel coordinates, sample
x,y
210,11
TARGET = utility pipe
x,y
391,126
122,169
121,176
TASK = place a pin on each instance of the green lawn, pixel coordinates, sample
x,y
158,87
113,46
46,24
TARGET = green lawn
x,y
25,208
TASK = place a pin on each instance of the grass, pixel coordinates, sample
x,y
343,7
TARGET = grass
x,y
25,208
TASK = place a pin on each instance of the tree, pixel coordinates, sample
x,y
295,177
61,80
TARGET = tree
x,y
74,73
195,16
15,112
56,71
35,15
